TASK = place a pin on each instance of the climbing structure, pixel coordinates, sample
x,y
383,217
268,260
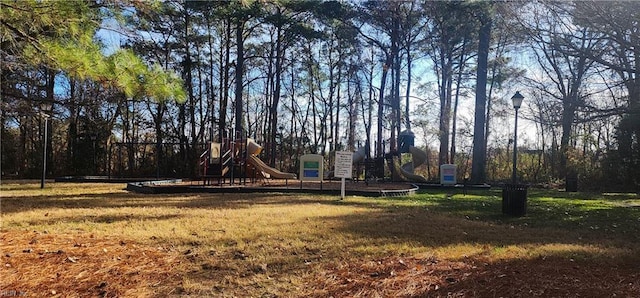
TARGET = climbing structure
x,y
225,161
234,160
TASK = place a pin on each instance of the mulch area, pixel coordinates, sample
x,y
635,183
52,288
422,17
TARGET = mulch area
x,y
40,264
541,277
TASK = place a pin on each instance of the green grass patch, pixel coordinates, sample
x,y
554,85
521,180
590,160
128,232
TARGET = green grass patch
x,y
252,244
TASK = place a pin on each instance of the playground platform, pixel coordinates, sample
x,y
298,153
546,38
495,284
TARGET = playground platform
x,y
327,187
330,187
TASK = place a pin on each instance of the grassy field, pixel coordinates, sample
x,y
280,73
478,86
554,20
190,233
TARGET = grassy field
x,y
78,240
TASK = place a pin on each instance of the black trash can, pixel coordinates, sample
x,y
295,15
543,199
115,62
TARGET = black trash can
x,y
571,182
514,199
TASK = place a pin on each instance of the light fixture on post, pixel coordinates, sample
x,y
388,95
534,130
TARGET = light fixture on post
x,y
517,103
45,112
514,195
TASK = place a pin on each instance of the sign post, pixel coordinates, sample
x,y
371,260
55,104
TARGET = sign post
x,y
343,168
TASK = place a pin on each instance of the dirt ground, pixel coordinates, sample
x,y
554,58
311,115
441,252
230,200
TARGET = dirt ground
x,y
39,264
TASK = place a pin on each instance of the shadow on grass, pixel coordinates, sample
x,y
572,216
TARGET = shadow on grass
x,y
430,218
117,200
187,200
100,219
442,229
607,216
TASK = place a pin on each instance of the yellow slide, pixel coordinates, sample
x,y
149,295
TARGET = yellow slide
x,y
418,157
253,150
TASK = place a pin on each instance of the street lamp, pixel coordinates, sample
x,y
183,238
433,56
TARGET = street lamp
x,y
93,138
517,102
281,129
45,112
514,196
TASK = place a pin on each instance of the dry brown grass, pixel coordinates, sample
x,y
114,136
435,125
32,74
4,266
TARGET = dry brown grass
x,y
99,240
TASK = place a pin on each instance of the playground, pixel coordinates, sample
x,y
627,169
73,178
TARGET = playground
x,y
234,165
97,239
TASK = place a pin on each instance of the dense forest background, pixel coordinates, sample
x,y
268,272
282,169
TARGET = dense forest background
x,y
318,76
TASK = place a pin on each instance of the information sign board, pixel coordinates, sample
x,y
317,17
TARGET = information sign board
x,y
343,164
311,167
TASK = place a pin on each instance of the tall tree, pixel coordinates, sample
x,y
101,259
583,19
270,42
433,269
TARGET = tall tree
x,y
61,36
617,25
567,72
478,167
447,30
293,22
378,31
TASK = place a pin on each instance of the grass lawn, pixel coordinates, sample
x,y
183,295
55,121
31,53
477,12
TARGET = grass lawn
x,y
79,240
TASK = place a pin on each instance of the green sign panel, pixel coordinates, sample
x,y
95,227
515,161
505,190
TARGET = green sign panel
x,y
311,165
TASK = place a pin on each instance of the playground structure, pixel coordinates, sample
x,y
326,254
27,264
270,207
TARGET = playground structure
x,y
418,157
253,149
234,165
236,159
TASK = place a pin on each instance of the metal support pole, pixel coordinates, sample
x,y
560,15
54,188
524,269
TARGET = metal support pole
x,y
44,151
515,150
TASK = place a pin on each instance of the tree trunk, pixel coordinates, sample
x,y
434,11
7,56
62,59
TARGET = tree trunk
x,y
454,121
383,81
408,91
224,83
445,107
273,124
239,76
479,162
395,103
188,68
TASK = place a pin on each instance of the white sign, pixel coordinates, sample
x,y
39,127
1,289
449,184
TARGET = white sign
x,y
311,166
448,174
343,164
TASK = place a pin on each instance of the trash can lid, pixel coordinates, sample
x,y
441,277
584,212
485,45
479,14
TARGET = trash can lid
x,y
406,132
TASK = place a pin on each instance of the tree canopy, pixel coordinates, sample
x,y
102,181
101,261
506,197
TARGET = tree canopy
x,y
61,35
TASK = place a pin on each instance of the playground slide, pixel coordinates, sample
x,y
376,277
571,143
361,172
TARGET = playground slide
x,y
418,157
272,172
253,150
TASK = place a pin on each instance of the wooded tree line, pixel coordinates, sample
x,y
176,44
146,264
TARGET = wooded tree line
x,y
317,76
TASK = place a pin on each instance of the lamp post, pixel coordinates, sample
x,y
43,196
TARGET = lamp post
x,y
45,110
517,102
281,144
93,138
